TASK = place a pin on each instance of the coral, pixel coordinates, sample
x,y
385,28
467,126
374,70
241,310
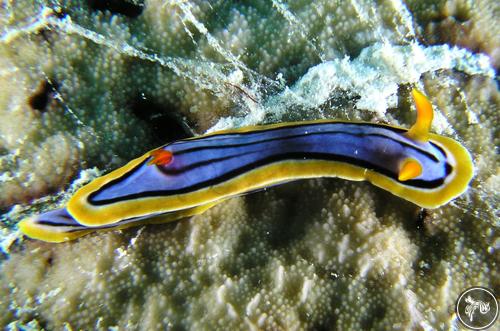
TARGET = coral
x,y
319,253
95,84
462,23
187,57
46,140
383,67
206,57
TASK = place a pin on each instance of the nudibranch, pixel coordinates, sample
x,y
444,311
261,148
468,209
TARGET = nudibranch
x,y
187,177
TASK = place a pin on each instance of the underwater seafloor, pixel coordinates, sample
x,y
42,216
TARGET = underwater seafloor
x,y
88,85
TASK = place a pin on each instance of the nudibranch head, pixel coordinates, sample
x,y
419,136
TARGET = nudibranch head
x,y
450,164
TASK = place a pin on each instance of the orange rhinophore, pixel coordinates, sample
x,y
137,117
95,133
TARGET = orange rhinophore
x,y
420,130
410,169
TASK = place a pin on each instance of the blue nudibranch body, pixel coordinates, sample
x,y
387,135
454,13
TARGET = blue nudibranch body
x,y
189,176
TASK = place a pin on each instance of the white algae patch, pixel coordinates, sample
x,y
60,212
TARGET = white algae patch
x,y
373,77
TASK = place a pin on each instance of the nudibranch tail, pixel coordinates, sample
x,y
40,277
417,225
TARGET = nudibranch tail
x,y
53,226
59,226
420,130
424,168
